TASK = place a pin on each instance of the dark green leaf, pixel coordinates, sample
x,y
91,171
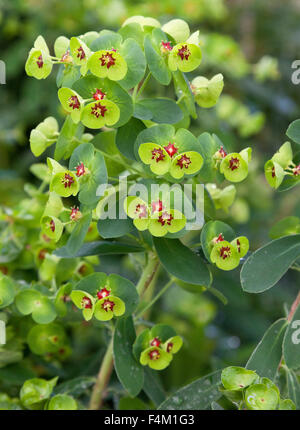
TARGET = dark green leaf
x,y
266,266
129,371
291,342
181,262
293,387
163,110
126,136
99,248
196,396
266,357
293,131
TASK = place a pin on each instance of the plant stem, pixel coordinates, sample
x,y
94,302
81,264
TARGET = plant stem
x,y
148,274
158,295
142,87
294,307
102,378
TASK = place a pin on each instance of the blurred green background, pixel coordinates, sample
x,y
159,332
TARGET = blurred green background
x,y
253,43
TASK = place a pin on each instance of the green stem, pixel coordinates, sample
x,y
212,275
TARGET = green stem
x,y
142,87
102,378
148,274
154,300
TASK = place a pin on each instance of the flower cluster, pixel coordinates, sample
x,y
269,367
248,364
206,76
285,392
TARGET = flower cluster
x,y
234,166
155,217
282,165
248,390
226,255
157,346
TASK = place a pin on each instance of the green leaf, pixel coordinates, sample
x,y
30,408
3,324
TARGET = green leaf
x,y
291,342
196,396
266,266
156,62
127,135
136,63
153,387
68,132
96,175
181,262
212,230
293,387
293,131
111,228
99,248
129,371
159,110
285,227
78,234
266,357
75,387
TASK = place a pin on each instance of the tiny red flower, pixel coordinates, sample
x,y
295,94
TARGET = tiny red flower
x,y
86,302
166,46
157,206
108,305
80,53
234,163
52,226
98,110
169,347
80,170
154,354
74,213
74,103
222,152
155,342
98,94
158,155
164,218
42,254
40,62
184,161
103,293
184,52
171,149
225,252
107,60
218,239
67,180
296,170
141,210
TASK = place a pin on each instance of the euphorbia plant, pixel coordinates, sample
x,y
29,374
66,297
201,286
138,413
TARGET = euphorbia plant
x,y
125,175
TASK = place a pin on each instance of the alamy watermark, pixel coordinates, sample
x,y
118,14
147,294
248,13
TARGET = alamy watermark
x,y
296,333
2,73
2,333
186,199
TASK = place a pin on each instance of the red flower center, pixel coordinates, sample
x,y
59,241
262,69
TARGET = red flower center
x,y
52,226
222,152
108,305
296,170
155,342
166,46
157,206
107,59
158,155
98,109
234,163
184,161
184,52
40,62
80,170
238,243
67,180
170,347
80,53
154,354
171,149
74,213
86,302
218,239
98,95
74,103
273,172
42,254
103,293
225,252
165,218
141,210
